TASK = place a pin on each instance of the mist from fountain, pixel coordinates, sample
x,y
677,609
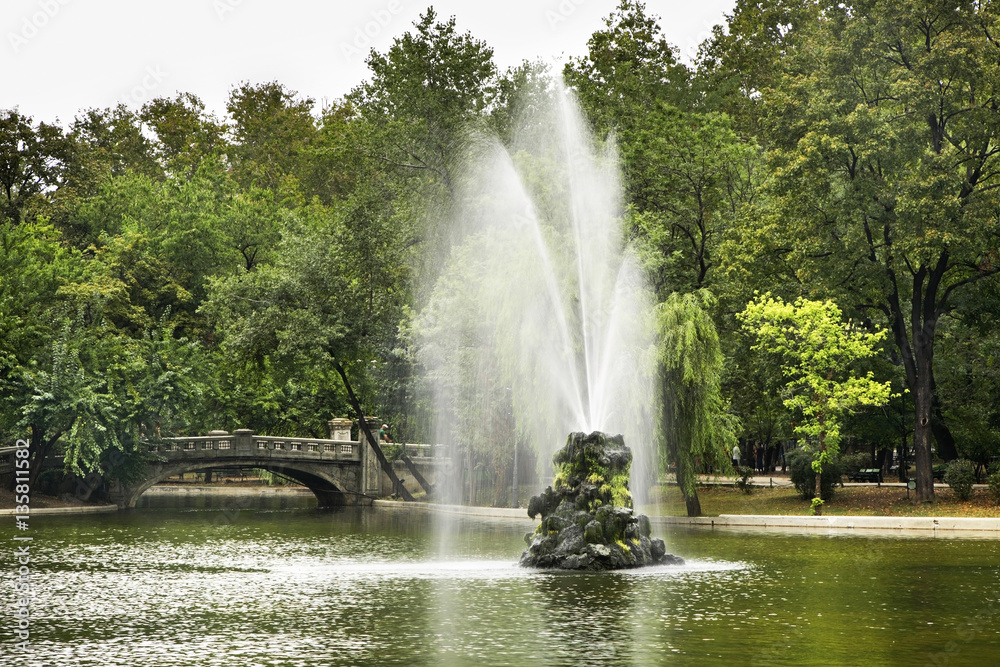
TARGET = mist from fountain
x,y
540,322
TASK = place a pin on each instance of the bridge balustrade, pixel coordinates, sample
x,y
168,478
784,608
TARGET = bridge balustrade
x,y
419,451
244,442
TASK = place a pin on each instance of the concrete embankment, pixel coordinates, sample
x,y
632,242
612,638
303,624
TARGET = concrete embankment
x,y
225,490
988,528
75,509
950,526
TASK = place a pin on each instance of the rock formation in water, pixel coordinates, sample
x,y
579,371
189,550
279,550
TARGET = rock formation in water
x,y
587,518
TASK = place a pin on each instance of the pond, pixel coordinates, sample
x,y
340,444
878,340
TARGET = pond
x,y
232,581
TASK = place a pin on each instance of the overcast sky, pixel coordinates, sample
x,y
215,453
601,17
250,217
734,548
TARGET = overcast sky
x,y
61,56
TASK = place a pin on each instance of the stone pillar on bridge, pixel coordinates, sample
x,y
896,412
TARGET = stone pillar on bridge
x,y
340,429
243,441
371,470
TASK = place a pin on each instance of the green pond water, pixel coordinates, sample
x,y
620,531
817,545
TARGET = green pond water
x,y
234,581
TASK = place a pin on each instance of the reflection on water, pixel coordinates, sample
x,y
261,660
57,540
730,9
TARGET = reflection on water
x,y
238,581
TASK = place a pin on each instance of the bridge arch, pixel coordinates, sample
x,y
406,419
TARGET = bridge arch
x,y
332,485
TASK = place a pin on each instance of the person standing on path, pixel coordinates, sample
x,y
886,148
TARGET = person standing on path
x,y
736,456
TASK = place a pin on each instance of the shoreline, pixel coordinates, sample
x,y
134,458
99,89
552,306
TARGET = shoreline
x,y
224,490
983,528
987,528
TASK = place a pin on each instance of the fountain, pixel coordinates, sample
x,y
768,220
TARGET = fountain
x,y
539,324
587,517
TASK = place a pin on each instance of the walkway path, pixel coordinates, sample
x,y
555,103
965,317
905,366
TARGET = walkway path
x,y
870,525
765,480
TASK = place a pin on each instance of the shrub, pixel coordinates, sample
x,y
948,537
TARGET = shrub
x,y
802,475
994,482
744,479
960,476
855,462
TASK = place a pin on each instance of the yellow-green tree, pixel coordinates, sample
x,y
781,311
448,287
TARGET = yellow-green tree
x,y
816,349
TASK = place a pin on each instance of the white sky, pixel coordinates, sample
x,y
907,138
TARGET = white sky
x,y
60,56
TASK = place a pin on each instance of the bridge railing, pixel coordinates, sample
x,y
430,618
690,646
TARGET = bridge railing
x,y
419,451
244,443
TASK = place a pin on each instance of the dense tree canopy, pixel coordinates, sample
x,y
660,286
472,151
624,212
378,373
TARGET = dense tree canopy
x,y
164,269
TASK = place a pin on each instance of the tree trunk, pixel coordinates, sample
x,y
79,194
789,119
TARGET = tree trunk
x,y
421,480
942,434
818,490
917,355
923,393
883,459
685,481
818,493
922,442
514,490
397,485
39,449
903,462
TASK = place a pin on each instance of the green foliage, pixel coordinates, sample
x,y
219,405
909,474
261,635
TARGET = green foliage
x,y
881,125
164,269
855,462
803,476
618,490
688,176
695,423
960,475
186,135
744,479
272,133
993,480
628,70
815,349
31,162
425,91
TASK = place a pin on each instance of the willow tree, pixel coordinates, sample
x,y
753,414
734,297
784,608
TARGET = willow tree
x,y
695,424
816,350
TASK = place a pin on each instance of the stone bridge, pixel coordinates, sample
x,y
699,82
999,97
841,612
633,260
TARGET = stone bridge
x,y
340,471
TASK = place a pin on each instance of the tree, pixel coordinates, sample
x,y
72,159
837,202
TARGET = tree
x,y
628,70
109,143
743,57
688,176
309,310
425,93
885,127
696,426
186,135
816,350
969,377
272,131
34,264
32,163
75,402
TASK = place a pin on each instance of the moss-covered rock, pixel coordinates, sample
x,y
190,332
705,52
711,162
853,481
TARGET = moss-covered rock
x,y
587,518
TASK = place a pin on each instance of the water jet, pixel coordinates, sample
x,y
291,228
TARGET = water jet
x,y
539,323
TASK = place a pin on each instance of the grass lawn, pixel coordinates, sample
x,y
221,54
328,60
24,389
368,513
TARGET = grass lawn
x,y
847,501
